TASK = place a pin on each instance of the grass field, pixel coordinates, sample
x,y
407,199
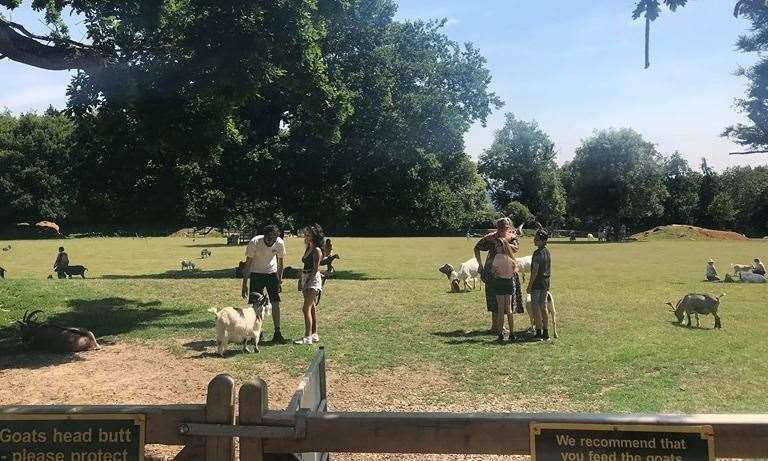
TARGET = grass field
x,y
388,308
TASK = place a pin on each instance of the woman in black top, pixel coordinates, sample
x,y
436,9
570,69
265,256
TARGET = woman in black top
x,y
311,281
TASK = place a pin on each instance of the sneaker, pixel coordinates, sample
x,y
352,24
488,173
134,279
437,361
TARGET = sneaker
x,y
304,341
315,338
277,338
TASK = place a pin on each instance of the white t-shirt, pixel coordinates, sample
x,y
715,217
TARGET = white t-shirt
x,y
264,257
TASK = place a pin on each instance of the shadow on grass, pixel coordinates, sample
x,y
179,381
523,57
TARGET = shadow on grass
x,y
352,275
174,274
674,323
462,337
207,348
585,242
105,317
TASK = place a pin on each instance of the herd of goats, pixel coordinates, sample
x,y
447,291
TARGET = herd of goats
x,y
243,325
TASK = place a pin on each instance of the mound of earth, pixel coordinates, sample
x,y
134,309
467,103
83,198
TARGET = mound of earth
x,y
685,232
197,232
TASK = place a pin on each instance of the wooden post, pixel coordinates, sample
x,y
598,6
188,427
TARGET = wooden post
x,y
220,409
254,403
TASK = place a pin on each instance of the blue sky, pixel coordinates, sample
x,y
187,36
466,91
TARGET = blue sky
x,y
572,66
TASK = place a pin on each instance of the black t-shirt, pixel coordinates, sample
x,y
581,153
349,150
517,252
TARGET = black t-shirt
x,y
543,261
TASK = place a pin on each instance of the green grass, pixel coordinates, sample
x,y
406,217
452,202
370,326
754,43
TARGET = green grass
x,y
388,308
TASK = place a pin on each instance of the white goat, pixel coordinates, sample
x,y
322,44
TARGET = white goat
x,y
737,268
468,271
238,325
751,277
187,264
590,236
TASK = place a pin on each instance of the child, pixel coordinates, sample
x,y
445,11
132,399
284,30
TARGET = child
x,y
712,272
328,257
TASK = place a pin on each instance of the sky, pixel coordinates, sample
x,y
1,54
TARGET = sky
x,y
574,67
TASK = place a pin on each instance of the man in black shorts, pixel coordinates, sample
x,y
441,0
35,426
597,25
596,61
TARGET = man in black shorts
x,y
264,258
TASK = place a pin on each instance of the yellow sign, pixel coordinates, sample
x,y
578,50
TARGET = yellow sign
x,y
608,442
72,437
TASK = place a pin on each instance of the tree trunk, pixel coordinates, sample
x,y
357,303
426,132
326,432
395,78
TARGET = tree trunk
x,y
26,50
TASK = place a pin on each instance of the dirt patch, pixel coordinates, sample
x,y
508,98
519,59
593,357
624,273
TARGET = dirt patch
x,y
685,232
197,232
129,373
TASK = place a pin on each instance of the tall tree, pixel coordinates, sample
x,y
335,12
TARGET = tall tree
x,y
35,159
618,178
754,105
520,166
683,186
708,190
650,10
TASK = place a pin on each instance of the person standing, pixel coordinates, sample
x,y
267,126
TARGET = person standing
x,y
263,268
538,284
311,281
506,285
61,263
504,230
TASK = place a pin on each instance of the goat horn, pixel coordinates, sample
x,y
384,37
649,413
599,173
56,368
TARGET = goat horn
x,y
33,314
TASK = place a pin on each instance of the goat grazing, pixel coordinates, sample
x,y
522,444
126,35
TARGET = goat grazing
x,y
53,338
467,271
205,253
235,325
187,264
697,303
8,248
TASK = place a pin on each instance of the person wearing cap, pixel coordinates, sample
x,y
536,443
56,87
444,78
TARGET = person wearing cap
x,y
538,284
758,267
712,272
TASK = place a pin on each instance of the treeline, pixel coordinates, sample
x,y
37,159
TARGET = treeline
x,y
615,178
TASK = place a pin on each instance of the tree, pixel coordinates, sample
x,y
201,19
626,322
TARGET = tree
x,y
618,178
650,10
708,190
683,185
754,105
519,213
35,159
723,210
520,166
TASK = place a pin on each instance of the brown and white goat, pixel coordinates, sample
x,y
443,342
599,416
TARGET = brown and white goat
x,y
54,338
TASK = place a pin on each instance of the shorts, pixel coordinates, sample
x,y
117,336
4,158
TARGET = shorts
x,y
311,281
539,298
268,281
504,286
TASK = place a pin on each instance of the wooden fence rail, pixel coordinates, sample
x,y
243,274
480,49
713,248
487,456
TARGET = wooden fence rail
x,y
305,427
